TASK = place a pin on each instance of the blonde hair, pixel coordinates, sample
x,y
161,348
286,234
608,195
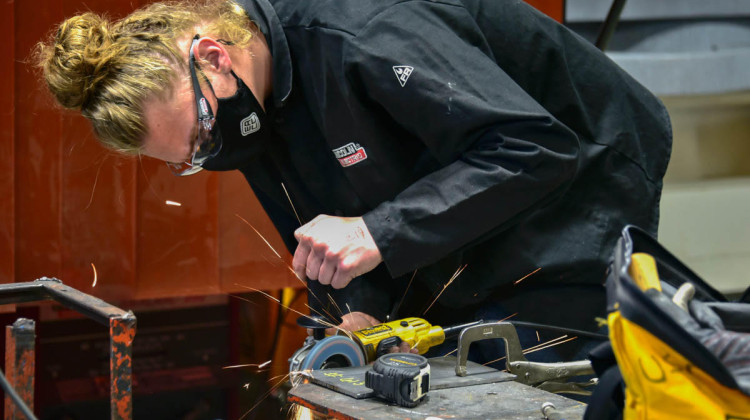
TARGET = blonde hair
x,y
106,70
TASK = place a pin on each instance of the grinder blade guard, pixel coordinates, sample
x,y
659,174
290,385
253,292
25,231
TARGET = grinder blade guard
x,y
324,353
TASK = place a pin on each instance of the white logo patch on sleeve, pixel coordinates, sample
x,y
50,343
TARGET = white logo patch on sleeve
x,y
403,73
250,124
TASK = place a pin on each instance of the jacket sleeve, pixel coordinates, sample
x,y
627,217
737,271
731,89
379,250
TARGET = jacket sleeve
x,y
501,154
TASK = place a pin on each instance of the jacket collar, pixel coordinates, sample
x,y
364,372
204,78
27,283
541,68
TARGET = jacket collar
x,y
263,14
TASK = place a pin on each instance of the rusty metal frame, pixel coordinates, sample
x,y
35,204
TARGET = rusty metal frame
x,y
19,365
20,358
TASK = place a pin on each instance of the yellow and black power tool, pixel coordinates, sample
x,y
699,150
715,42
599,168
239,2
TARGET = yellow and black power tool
x,y
366,345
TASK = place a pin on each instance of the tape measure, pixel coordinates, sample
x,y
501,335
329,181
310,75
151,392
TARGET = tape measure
x,y
403,378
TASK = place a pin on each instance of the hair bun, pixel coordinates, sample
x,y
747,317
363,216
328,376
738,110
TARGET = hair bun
x,y
78,59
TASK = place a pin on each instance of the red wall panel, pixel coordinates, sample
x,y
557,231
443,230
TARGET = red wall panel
x,y
552,8
7,124
37,153
97,197
69,204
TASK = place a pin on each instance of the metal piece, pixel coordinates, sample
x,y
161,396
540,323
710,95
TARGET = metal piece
x,y
550,412
121,334
295,362
19,365
504,330
53,289
121,325
351,381
578,388
552,375
534,373
504,400
609,25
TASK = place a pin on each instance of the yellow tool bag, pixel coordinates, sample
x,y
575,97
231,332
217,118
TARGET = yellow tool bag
x,y
683,350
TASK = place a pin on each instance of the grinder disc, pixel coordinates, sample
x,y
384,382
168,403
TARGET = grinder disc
x,y
333,352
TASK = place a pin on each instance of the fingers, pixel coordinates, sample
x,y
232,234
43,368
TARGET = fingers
x,y
304,248
299,262
312,266
327,273
321,266
334,250
404,347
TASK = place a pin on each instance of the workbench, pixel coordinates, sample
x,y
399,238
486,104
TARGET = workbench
x,y
502,399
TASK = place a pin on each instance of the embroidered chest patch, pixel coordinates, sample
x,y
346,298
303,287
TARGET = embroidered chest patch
x,y
350,154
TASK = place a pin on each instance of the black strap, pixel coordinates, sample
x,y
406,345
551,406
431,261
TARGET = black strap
x,y
608,399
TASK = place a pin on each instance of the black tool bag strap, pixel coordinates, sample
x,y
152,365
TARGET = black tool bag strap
x,y
608,399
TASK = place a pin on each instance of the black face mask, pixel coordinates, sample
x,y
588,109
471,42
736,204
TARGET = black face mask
x,y
243,127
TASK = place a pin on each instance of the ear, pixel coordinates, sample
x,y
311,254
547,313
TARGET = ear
x,y
212,56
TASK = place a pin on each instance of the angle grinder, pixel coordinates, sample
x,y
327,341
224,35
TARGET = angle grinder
x,y
366,345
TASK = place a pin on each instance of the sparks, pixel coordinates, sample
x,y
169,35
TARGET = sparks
x,y
398,306
532,349
93,267
173,203
550,345
259,366
289,267
291,204
526,276
508,317
328,324
273,388
261,292
258,233
300,412
445,286
336,305
451,352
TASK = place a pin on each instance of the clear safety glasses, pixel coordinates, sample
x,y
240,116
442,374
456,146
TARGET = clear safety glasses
x,y
207,143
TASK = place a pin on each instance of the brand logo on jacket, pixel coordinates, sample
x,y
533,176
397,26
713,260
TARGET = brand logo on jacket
x,y
403,73
350,154
250,124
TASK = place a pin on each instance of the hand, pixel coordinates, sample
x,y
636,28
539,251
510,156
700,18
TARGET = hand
x,y
355,321
335,250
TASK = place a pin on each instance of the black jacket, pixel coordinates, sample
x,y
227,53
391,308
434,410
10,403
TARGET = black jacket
x,y
475,133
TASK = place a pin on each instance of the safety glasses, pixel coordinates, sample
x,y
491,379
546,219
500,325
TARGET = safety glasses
x,y
207,143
